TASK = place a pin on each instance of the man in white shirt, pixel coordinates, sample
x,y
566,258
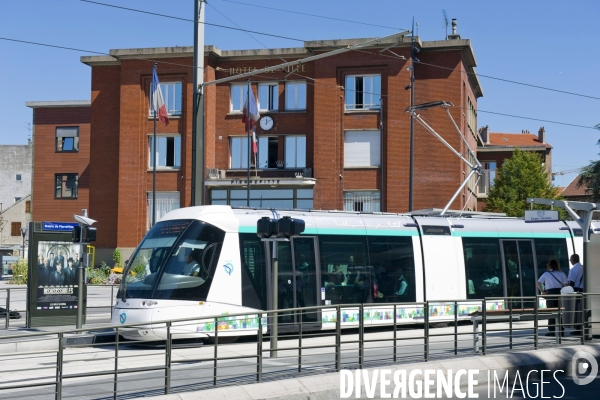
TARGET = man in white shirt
x,y
576,274
576,281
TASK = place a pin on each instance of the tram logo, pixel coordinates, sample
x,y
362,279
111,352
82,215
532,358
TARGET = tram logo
x,y
122,318
228,268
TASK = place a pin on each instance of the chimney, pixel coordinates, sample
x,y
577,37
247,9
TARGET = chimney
x,y
485,134
454,34
542,135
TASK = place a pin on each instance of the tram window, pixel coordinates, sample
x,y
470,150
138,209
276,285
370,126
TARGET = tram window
x,y
483,268
347,254
189,271
547,249
254,280
392,259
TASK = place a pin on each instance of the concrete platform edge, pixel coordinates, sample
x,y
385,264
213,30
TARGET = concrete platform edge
x,y
327,386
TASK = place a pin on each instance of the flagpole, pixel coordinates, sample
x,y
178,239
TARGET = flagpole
x,y
249,126
154,160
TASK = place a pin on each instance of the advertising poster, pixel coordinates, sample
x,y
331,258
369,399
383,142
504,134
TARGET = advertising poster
x,y
57,280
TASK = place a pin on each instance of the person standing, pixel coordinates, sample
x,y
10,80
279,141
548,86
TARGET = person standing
x,y
553,280
576,281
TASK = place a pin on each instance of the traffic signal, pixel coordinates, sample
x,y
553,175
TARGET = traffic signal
x,y
89,234
289,227
266,227
76,234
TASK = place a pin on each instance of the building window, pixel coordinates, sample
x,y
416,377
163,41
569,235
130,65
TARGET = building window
x,y
363,92
18,177
362,200
268,96
295,151
17,199
487,178
66,186
239,93
168,151
265,198
165,202
171,92
295,96
472,115
239,152
28,206
67,138
15,229
362,149
268,151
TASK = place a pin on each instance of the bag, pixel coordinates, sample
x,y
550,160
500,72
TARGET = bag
x,y
567,290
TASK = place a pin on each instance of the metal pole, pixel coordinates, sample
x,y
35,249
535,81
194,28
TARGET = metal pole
x,y
198,107
412,120
259,350
7,308
154,164
248,126
80,271
168,358
274,322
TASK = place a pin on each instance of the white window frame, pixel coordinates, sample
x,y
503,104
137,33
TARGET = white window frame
x,y
242,88
293,86
369,200
272,101
169,92
239,146
362,148
295,158
176,152
371,95
165,202
487,179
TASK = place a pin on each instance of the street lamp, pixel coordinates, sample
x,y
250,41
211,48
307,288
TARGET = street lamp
x,y
23,233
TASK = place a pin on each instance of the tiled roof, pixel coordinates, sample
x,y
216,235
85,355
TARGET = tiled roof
x,y
573,190
515,140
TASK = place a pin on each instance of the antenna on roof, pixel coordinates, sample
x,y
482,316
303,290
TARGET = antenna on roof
x,y
446,20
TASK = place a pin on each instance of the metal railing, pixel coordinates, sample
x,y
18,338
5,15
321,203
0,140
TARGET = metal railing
x,y
351,336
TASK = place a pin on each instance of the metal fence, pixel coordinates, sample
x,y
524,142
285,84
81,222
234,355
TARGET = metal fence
x,y
361,336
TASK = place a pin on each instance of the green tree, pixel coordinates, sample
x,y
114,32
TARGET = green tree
x,y
589,177
520,177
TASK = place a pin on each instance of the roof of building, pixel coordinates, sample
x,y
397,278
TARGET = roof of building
x,y
515,140
58,103
572,190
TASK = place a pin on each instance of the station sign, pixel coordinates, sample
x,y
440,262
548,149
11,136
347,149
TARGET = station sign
x,y
541,215
58,226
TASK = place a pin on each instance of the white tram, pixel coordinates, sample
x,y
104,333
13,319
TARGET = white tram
x,y
341,258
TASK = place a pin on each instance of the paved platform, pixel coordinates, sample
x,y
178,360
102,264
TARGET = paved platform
x,y
327,386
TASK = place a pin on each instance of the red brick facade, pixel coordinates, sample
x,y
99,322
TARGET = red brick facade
x,y
120,178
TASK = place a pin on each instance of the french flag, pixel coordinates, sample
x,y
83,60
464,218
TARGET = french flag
x,y
158,104
250,119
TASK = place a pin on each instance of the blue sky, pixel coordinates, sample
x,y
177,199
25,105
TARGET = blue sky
x,y
549,43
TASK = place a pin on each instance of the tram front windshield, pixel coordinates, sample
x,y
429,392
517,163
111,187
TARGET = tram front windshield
x,y
175,261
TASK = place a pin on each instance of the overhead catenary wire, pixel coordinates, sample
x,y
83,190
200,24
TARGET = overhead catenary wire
x,y
190,20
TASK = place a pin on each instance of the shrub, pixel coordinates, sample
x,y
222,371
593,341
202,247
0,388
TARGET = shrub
x,y
98,275
117,258
114,279
19,270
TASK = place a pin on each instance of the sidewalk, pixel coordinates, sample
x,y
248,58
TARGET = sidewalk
x,y
327,386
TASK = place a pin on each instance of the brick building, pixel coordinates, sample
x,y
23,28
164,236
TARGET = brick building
x,y
339,137
61,158
495,147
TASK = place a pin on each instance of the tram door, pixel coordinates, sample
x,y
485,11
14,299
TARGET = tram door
x,y
519,271
298,281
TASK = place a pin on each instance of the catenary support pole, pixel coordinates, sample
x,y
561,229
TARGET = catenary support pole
x,y
198,197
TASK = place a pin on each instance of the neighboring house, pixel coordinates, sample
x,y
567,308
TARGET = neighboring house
x,y
493,148
574,193
15,173
325,140
13,220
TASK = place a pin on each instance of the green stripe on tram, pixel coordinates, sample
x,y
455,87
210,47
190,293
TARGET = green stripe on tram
x,y
511,235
